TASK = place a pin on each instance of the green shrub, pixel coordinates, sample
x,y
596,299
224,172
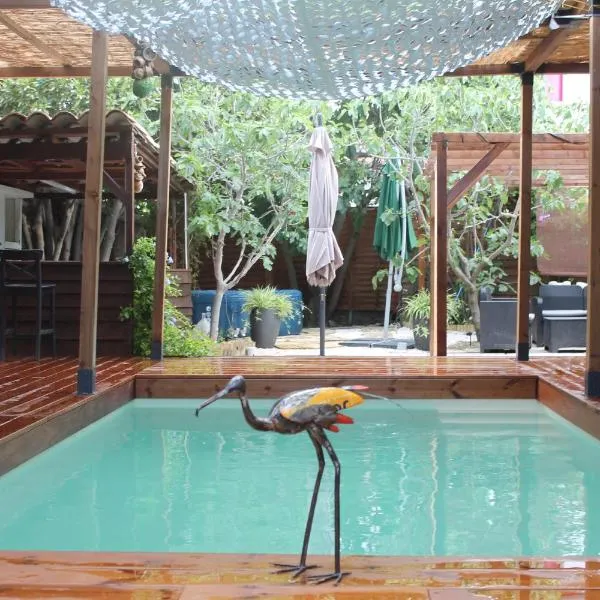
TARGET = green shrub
x,y
417,310
267,298
180,338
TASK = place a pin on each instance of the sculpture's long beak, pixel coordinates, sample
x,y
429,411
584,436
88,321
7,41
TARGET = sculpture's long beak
x,y
361,389
216,396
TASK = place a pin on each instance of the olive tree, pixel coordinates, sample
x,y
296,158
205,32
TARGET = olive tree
x,y
249,161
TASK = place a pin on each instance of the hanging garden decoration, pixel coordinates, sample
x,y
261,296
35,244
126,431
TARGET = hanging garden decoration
x,y
143,71
318,49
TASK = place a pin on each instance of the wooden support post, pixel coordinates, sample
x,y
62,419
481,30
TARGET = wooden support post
x,y
174,233
186,258
86,374
162,215
592,367
525,175
439,270
129,185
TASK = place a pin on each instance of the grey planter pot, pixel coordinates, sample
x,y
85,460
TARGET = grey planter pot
x,y
264,328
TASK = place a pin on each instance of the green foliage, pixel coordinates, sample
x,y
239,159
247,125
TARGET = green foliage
x,y
61,94
180,338
267,298
250,166
410,272
249,161
484,229
417,310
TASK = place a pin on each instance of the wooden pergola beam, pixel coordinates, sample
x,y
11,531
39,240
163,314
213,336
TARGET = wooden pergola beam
x,y
465,183
30,152
517,69
114,187
86,374
162,215
18,4
545,48
525,177
59,71
439,270
477,140
592,367
33,40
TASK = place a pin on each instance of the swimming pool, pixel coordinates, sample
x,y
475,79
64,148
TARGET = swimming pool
x,y
451,477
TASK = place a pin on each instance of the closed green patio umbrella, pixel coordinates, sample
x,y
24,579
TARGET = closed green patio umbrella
x,y
395,236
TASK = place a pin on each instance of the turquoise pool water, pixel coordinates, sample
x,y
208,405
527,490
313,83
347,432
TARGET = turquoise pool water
x,y
420,477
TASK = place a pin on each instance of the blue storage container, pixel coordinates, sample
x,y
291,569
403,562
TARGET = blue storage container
x,y
202,300
232,317
293,324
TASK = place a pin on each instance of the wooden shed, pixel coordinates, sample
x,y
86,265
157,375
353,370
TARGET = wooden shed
x,y
47,157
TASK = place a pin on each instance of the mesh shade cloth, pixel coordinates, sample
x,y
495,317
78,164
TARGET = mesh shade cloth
x,y
315,48
564,236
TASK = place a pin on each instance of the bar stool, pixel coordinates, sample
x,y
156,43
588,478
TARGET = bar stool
x,y
21,275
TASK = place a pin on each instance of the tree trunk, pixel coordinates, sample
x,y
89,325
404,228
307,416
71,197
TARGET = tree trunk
x,y
65,228
78,235
473,302
26,232
338,282
111,226
48,228
218,247
66,249
216,310
338,223
38,226
289,265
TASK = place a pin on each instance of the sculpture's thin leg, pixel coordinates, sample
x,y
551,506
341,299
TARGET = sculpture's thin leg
x,y
338,574
300,568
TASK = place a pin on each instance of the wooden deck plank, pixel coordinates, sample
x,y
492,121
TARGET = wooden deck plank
x,y
566,373
89,575
32,392
513,387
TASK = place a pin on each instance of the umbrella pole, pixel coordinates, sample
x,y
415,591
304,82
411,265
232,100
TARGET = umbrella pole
x,y
322,299
388,301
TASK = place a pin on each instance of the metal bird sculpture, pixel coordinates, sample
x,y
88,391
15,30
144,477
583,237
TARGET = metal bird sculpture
x,y
312,410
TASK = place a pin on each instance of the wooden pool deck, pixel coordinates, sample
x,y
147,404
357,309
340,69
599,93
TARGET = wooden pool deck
x,y
39,407
217,576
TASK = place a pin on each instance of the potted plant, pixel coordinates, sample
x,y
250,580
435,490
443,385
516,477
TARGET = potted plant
x,y
267,308
417,310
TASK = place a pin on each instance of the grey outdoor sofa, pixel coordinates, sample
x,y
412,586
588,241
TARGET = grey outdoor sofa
x,y
560,317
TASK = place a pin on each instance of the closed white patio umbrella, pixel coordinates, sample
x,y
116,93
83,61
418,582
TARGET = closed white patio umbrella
x,y
323,254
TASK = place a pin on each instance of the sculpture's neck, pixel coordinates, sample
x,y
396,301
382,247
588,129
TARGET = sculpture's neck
x,y
252,420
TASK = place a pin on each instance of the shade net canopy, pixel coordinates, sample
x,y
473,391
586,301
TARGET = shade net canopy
x,y
315,49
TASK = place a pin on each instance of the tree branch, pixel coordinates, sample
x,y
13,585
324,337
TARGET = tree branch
x,y
238,263
509,237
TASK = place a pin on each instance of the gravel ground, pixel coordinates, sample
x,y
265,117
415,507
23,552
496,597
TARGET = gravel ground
x,y
307,343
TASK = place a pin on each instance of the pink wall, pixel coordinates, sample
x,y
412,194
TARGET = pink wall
x,y
568,87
